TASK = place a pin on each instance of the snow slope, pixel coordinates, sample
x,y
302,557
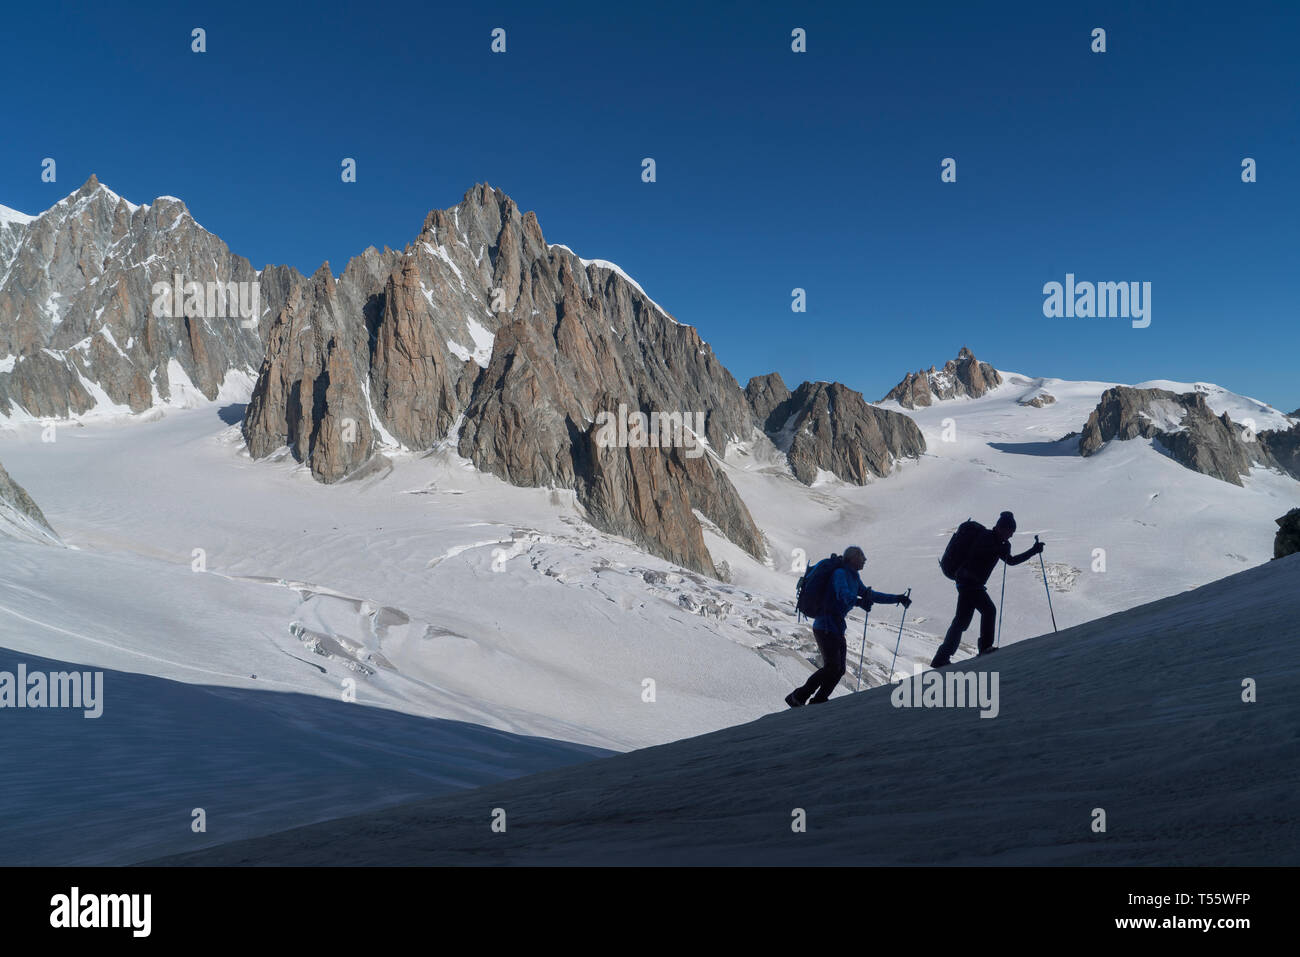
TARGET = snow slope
x,y
1140,715
1163,528
442,591
448,596
123,786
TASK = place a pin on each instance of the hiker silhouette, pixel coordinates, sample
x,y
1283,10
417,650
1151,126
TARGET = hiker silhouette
x,y
972,555
843,591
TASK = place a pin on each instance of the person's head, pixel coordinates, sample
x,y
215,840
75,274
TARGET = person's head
x,y
1005,526
855,558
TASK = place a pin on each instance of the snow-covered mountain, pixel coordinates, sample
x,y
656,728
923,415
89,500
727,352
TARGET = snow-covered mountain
x,y
82,327
480,336
503,605
455,569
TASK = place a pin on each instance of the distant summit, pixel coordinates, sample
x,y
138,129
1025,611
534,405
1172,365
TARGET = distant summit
x,y
963,376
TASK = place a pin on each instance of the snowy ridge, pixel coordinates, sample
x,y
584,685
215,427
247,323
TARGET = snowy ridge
x,y
12,216
1239,408
615,268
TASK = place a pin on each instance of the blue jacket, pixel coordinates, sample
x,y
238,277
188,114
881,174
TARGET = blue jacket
x,y
847,592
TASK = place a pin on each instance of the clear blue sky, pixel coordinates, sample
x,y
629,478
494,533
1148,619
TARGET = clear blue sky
x,y
775,170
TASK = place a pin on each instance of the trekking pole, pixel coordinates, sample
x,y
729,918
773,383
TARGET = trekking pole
x,y
898,642
863,650
1002,604
1043,565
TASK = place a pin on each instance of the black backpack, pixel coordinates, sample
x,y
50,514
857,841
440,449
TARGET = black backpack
x,y
959,546
810,592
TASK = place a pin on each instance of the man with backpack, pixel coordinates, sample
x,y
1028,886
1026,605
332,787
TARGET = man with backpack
x,y
829,590
972,554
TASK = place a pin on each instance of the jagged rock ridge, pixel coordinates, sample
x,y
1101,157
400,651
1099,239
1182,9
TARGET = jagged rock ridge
x,y
829,427
482,335
1188,429
81,329
963,376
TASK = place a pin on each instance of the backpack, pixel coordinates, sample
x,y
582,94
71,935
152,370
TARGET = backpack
x,y
810,592
959,546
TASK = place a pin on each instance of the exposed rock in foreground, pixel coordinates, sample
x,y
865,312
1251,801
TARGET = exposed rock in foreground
x,y
1186,426
20,517
1287,540
828,426
963,376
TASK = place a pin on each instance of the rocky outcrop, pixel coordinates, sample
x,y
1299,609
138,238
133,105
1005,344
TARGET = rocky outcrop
x,y
650,496
20,517
964,376
827,426
1038,401
1287,540
483,336
765,394
82,325
1283,446
310,393
1187,428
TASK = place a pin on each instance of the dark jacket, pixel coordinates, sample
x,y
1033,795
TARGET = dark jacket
x,y
846,592
983,557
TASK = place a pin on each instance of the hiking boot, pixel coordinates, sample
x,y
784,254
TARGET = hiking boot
x,y
792,701
988,651
937,663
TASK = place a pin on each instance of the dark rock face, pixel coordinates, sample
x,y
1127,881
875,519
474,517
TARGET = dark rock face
x,y
1189,430
1287,540
309,394
765,394
1284,448
963,376
648,495
77,296
20,517
829,426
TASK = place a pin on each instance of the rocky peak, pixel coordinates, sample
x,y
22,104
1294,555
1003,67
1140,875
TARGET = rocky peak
x,y
964,376
765,394
828,426
82,323
1187,428
482,334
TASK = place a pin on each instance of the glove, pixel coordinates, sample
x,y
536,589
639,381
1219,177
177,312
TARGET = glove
x,y
1038,548
905,602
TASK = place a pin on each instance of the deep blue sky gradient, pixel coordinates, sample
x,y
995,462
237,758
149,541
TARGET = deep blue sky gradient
x,y
775,170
